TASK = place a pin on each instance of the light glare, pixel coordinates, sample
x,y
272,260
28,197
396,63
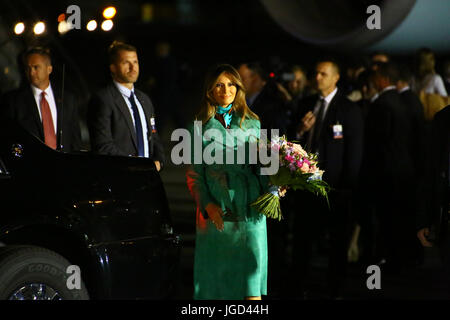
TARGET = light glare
x,y
109,12
92,25
39,28
107,25
19,28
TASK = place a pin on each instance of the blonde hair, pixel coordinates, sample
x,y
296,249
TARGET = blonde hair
x,y
208,105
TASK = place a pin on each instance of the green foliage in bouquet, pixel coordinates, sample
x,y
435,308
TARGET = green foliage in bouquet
x,y
298,171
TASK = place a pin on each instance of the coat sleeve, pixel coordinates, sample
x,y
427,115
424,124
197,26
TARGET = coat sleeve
x,y
197,178
99,124
196,182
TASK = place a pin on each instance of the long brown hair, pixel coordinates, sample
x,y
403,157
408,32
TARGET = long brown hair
x,y
208,105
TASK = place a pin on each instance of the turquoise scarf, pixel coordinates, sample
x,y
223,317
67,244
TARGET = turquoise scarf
x,y
227,116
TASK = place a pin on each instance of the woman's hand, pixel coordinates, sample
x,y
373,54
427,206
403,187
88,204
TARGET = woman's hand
x,y
282,191
215,213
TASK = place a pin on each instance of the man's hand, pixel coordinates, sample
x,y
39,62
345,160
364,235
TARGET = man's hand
x,y
307,122
158,165
215,213
422,234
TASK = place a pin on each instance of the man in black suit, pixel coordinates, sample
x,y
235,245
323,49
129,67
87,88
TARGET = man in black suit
x,y
387,175
416,112
419,136
40,108
263,97
330,125
433,219
121,119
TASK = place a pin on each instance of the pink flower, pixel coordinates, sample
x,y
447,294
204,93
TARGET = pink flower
x,y
289,158
299,149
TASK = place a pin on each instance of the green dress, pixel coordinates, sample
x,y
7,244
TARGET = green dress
x,y
231,264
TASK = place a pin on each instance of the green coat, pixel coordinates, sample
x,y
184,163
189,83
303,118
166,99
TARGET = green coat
x,y
231,264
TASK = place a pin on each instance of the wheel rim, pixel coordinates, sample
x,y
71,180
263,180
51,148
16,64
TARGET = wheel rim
x,y
35,291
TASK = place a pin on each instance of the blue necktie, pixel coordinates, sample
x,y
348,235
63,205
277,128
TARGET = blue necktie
x,y
138,126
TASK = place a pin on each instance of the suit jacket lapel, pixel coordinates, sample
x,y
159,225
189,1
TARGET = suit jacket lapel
x,y
330,110
59,113
147,108
122,106
31,109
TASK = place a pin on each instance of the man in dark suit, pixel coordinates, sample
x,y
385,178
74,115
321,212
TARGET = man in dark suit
x,y
387,175
39,106
418,138
332,126
416,112
121,119
433,219
263,97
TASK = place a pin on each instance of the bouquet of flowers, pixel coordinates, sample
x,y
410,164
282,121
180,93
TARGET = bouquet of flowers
x,y
298,170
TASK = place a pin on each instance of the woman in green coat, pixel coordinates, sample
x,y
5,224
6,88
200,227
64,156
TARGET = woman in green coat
x,y
231,240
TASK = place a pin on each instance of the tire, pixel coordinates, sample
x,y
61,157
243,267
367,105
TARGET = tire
x,y
34,273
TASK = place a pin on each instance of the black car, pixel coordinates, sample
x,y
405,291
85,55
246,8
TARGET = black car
x,y
81,226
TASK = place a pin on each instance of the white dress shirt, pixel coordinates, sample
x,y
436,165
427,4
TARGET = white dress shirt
x,y
404,89
37,93
126,93
327,99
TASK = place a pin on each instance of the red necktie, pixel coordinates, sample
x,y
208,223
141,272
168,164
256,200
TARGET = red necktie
x,y
47,123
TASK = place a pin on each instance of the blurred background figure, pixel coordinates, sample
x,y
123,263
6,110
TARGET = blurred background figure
x,y
377,58
446,75
380,57
419,138
387,181
264,97
428,84
433,220
427,79
367,89
298,85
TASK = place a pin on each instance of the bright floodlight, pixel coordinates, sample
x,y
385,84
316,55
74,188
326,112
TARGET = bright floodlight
x,y
63,27
107,25
109,12
39,28
92,25
19,28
